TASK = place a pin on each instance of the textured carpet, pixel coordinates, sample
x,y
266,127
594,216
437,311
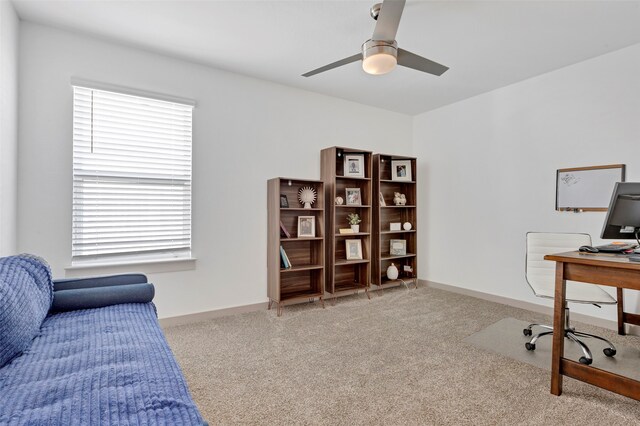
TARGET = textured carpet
x,y
397,359
505,337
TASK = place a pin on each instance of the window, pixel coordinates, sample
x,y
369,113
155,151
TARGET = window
x,y
131,177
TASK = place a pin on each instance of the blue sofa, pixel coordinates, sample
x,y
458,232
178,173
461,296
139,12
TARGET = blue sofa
x,y
85,352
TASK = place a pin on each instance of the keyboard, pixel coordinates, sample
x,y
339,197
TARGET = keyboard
x,y
615,248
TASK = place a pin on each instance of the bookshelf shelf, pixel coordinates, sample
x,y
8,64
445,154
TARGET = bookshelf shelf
x,y
304,280
355,234
301,268
398,232
351,177
387,256
384,215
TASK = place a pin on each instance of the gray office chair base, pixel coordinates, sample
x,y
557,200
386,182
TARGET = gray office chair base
x,y
571,334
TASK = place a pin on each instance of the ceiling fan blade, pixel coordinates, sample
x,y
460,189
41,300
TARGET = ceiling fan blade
x,y
411,60
341,62
388,20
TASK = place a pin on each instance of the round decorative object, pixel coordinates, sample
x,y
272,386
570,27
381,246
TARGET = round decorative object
x,y
407,226
307,196
392,272
339,201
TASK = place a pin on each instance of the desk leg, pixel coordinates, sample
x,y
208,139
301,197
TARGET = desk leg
x,y
558,329
621,330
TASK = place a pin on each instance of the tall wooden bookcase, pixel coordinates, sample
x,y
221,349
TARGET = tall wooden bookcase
x,y
304,280
385,185
346,276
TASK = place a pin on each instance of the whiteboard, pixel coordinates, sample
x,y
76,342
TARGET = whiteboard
x,y
587,188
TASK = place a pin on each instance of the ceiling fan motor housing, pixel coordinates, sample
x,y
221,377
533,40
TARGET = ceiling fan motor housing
x,y
379,57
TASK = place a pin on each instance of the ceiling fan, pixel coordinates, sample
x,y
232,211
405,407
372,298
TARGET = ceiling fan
x,y
381,54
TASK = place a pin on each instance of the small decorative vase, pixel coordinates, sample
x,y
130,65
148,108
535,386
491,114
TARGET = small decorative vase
x,y
355,228
407,226
392,272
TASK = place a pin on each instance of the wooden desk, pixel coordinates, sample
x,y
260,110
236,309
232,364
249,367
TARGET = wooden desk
x,y
603,269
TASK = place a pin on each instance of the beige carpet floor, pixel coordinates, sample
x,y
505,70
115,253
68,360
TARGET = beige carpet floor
x,y
399,359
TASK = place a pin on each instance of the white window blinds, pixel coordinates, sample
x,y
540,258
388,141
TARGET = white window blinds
x,y
131,176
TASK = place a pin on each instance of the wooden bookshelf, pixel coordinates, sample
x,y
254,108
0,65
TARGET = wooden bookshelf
x,y
346,276
304,280
383,216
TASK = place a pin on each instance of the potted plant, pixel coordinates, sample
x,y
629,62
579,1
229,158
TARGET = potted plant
x,y
354,221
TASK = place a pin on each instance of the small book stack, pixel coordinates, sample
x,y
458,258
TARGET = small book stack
x,y
284,259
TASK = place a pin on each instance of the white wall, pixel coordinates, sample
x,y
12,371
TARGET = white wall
x,y
487,167
245,132
8,126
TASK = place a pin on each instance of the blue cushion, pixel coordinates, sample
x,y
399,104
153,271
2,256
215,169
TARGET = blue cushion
x,y
101,281
98,297
26,293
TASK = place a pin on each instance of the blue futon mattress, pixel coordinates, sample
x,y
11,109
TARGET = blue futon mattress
x,y
107,366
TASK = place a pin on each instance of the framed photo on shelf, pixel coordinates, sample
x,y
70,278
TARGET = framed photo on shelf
x,y
354,249
397,247
382,202
306,226
284,203
354,165
395,226
354,197
401,170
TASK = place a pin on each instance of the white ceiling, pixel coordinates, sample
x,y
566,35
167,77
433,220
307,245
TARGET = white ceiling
x,y
487,44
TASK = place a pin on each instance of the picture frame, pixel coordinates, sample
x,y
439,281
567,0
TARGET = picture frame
x,y
395,226
353,196
284,203
401,170
306,226
353,249
354,165
397,247
382,202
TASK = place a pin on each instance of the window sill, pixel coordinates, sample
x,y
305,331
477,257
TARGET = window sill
x,y
142,265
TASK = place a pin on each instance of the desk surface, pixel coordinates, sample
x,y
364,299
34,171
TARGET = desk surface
x,y
609,260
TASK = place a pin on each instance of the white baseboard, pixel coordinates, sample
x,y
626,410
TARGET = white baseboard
x,y
546,310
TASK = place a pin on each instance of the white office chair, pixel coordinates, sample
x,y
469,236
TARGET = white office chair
x,y
540,275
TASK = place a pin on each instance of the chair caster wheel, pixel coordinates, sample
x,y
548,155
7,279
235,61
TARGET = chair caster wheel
x,y
585,360
609,352
530,346
526,332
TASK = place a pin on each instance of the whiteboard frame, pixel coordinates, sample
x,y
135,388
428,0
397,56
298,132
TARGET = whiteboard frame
x,y
622,168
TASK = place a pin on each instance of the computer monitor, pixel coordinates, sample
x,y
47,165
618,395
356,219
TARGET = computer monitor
x,y
623,216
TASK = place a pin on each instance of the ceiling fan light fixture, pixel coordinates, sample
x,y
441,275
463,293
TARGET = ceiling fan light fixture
x,y
379,57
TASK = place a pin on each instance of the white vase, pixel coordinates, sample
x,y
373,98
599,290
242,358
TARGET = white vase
x,y
355,228
392,272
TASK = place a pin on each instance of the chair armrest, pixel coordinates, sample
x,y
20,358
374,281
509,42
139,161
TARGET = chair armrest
x,y
98,297
104,281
